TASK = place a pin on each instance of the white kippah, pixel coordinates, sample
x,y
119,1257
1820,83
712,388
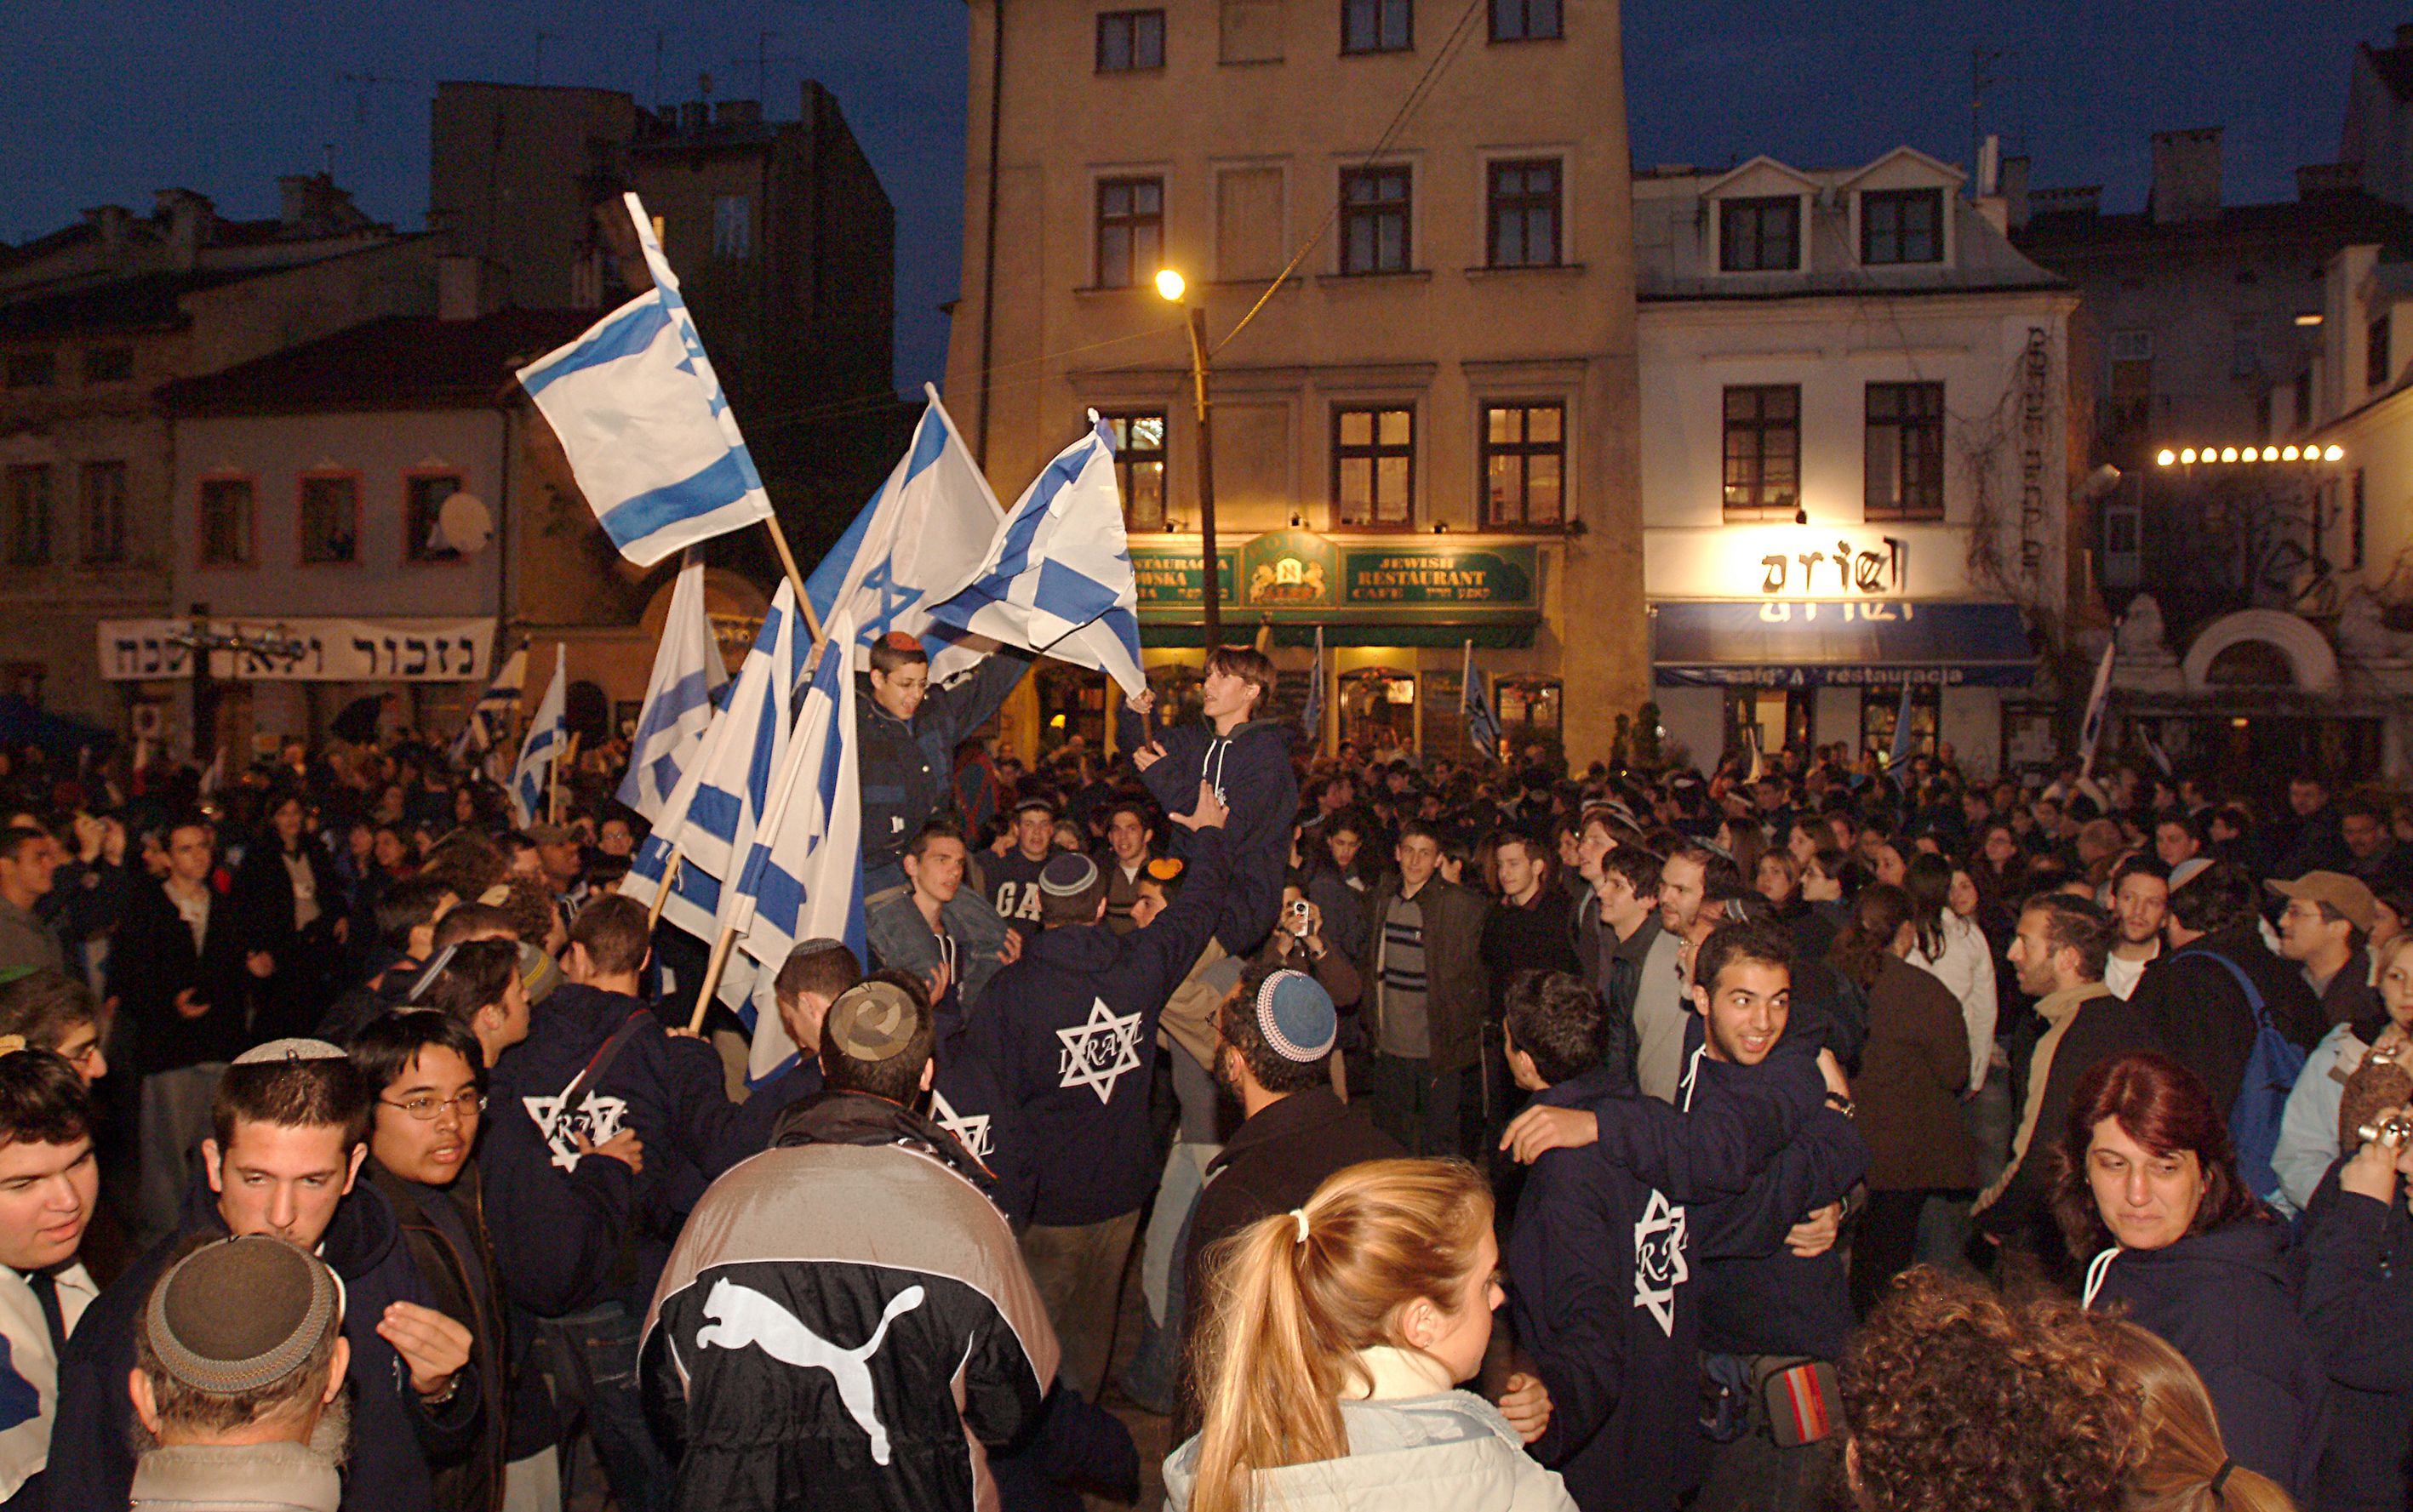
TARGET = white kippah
x,y
291,1050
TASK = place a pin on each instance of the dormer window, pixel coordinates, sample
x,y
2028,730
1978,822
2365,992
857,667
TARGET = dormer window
x,y
1759,235
1900,226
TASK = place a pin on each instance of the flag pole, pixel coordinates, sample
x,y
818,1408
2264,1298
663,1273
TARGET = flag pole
x,y
662,895
553,779
795,579
711,979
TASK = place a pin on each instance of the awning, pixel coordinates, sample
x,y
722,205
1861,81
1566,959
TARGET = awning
x,y
1805,643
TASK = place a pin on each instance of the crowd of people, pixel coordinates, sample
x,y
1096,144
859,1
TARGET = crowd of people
x,y
1475,1135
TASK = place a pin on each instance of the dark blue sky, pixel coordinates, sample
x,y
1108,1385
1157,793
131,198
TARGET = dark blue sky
x,y
110,99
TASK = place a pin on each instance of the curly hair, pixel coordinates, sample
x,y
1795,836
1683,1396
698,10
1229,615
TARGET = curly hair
x,y
1960,1397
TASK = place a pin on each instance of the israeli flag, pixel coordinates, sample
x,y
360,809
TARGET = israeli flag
x,y
1906,744
687,671
1057,578
2098,703
710,817
489,717
803,879
927,527
545,737
1474,703
640,415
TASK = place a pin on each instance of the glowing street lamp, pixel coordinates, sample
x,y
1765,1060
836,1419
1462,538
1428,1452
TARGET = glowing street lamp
x,y
1171,287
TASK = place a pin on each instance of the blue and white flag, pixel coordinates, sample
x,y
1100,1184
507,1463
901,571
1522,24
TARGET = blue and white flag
x,y
490,718
1057,578
640,414
1313,716
1906,744
546,734
803,878
1474,702
687,671
925,529
710,817
2098,702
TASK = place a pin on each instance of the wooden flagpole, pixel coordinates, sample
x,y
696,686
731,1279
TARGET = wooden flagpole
x,y
663,894
568,752
795,579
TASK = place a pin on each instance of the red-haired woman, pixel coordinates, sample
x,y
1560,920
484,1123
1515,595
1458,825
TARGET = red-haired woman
x,y
2146,1190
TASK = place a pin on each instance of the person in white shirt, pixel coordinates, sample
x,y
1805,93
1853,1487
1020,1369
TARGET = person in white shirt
x,y
50,1186
1954,950
2140,901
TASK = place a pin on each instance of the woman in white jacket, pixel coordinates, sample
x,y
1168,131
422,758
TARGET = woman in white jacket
x,y
1954,951
1338,1335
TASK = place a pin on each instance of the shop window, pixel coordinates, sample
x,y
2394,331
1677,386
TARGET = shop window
x,y
1378,709
1373,467
422,503
1524,464
29,516
1139,466
1880,707
1531,712
1905,451
1763,450
1180,692
1131,231
330,519
1071,704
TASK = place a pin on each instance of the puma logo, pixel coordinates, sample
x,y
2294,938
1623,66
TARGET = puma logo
x,y
742,1315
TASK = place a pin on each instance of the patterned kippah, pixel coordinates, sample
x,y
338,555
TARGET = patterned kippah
x,y
241,1314
291,1050
1296,1015
872,1021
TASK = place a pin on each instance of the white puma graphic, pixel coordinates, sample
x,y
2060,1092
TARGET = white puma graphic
x,y
742,1315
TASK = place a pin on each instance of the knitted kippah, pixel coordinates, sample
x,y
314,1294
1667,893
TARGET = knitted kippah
x,y
1068,874
1296,1015
872,1020
291,1050
241,1314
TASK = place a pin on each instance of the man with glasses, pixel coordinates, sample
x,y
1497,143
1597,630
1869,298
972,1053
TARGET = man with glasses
x,y
428,1074
51,1012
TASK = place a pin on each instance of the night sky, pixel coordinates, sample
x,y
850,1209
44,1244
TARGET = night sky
x,y
110,99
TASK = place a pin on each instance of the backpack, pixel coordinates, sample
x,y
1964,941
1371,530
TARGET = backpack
x,y
2270,1071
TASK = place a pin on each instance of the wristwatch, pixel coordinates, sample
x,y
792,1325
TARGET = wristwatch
x,y
1840,1103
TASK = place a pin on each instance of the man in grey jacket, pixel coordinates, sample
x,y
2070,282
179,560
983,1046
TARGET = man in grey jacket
x,y
934,920
1426,994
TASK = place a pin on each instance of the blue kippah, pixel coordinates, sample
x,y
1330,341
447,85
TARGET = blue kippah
x,y
1296,1015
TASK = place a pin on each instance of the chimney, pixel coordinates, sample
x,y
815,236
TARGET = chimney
x,y
2015,190
111,222
694,115
457,293
192,223
2187,176
1990,167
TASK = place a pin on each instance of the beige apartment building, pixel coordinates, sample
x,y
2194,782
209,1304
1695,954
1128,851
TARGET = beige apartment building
x,y
1425,436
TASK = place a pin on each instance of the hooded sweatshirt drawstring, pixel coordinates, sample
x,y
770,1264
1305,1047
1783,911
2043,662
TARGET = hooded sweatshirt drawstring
x,y
2096,1270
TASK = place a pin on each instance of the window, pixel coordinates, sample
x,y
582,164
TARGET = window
x,y
2376,368
104,513
226,521
1901,226
1374,220
1763,451
1373,467
2354,524
422,505
29,516
330,513
1905,451
1139,466
33,370
1524,20
1131,231
1525,214
1377,25
1881,710
1759,235
108,364
2303,397
1130,40
733,228
1524,464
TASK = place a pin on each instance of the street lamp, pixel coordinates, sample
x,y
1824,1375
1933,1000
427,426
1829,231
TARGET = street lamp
x,y
1171,285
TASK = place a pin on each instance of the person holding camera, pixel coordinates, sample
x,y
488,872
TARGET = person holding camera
x,y
2358,1242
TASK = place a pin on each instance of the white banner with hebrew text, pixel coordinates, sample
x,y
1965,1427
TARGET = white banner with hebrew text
x,y
307,649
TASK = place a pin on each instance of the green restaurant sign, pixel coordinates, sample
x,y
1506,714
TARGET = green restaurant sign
x,y
1173,577
1297,578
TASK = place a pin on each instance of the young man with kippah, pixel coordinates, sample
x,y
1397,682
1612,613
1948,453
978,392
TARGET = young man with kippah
x,y
906,735
49,1189
875,1372
291,1123
239,1380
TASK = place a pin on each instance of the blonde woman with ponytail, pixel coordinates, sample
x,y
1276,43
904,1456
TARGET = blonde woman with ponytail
x,y
1334,1343
2182,1466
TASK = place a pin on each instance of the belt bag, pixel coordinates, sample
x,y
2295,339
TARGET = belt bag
x,y
1801,1400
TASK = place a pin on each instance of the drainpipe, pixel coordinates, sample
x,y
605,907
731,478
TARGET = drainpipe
x,y
988,240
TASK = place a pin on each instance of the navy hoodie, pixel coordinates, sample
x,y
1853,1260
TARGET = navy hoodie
x,y
2358,1259
1069,1034
394,1436
1251,773
2227,1300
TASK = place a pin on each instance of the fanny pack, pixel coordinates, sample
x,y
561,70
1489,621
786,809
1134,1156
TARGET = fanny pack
x,y
1796,1399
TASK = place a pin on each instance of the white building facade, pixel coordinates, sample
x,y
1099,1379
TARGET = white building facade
x,y
1855,460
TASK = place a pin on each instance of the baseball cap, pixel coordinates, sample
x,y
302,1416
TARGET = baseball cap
x,y
872,1020
2345,894
550,834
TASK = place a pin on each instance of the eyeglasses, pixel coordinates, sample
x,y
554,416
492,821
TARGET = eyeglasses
x,y
427,1109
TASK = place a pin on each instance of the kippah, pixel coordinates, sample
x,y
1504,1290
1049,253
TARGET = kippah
x,y
1296,1015
1068,874
899,641
872,1020
289,1050
1163,869
241,1314
539,971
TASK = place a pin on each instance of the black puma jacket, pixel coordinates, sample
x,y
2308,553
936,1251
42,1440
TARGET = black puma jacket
x,y
845,1321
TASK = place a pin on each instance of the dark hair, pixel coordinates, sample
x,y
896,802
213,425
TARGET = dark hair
x,y
1137,808
2077,924
889,653
463,920
479,973
935,829
41,1007
1928,879
2165,1110
2143,863
1866,939
1248,664
528,905
2218,898
16,837
292,1094
898,1079
1761,944
405,906
1236,1020
1637,866
613,930
388,1045
824,971
42,1100
2360,806
1414,828
2184,820
1559,1021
